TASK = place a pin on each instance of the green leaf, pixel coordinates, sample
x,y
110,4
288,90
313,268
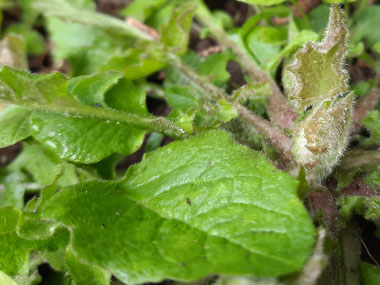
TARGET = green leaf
x,y
372,123
369,273
217,208
67,11
90,89
225,111
12,52
303,37
14,125
365,21
84,140
182,97
175,35
71,129
13,249
215,66
265,43
322,61
263,2
84,273
44,167
88,49
138,62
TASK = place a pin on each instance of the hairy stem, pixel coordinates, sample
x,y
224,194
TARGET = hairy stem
x,y
360,160
277,138
278,108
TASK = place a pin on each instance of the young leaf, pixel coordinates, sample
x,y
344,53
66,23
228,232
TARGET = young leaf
x,y
217,208
175,35
322,61
73,130
321,137
90,89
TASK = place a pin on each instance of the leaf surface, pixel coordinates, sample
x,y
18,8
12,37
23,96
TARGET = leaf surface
x,y
74,130
14,125
216,208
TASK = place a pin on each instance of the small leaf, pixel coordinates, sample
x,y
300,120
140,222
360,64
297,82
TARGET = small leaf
x,y
372,123
265,43
90,89
225,111
223,209
175,35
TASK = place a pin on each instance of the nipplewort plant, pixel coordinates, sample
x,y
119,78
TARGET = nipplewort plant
x,y
259,166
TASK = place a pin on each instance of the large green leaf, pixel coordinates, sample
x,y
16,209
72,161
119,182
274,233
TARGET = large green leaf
x,y
74,130
192,208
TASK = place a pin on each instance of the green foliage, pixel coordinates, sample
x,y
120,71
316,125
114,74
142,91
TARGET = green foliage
x,y
98,189
201,236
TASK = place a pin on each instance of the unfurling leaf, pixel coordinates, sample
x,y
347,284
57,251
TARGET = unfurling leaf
x,y
318,68
320,91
